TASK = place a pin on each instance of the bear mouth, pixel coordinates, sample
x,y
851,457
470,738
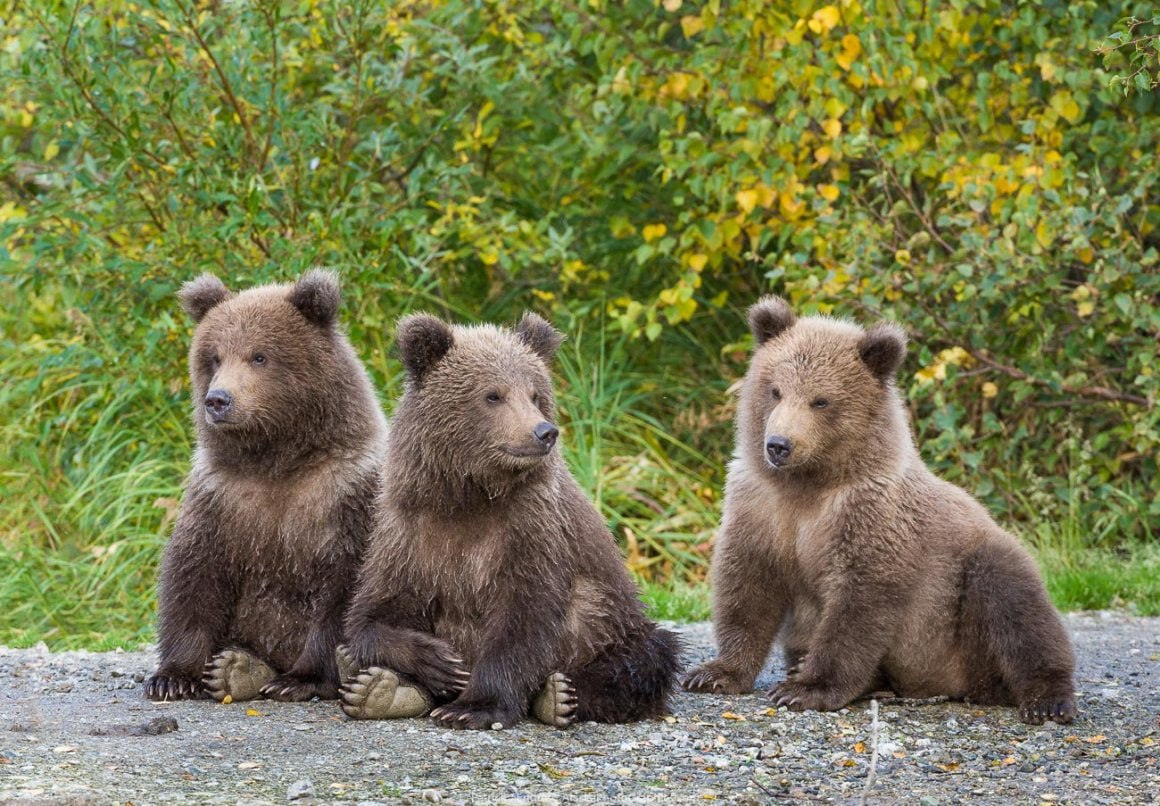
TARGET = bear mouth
x,y
527,451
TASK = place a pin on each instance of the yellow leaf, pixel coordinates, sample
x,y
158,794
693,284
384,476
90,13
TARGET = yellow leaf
x,y
226,700
822,155
902,257
859,747
677,85
832,127
253,712
851,49
829,192
697,262
1099,738
733,716
824,19
51,150
746,200
692,25
990,390
652,232
488,258
672,5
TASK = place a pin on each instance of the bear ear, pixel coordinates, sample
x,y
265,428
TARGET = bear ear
x,y
537,333
200,295
882,349
769,317
317,294
422,340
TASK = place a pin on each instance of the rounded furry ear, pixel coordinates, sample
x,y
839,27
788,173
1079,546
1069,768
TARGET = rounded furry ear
x,y
317,294
537,333
200,295
769,317
422,340
882,349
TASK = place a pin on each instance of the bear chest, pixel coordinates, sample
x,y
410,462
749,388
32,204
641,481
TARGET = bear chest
x,y
268,524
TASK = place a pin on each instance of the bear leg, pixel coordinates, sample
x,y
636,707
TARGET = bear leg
x,y
378,693
629,682
1016,636
236,674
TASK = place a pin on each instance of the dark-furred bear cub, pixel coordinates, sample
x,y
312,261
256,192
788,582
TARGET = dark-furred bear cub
x,y
836,536
493,586
277,507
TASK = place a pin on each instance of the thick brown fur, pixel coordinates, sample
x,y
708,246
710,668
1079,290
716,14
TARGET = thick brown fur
x,y
837,538
489,570
277,506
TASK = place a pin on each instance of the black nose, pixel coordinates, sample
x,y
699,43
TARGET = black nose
x,y
218,403
546,433
778,450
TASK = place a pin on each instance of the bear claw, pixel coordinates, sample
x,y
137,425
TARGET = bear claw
x,y
378,693
165,687
556,704
236,674
1061,711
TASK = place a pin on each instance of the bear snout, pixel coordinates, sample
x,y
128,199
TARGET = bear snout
x,y
218,404
545,434
777,450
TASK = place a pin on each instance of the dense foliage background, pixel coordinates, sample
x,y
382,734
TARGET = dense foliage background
x,y
638,171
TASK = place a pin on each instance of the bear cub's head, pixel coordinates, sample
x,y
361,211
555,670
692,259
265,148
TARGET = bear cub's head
x,y
819,396
265,363
479,399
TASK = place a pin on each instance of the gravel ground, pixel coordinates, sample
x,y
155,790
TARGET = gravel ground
x,y
74,728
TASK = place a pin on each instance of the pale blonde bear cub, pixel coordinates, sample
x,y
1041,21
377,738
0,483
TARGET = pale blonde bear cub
x,y
837,538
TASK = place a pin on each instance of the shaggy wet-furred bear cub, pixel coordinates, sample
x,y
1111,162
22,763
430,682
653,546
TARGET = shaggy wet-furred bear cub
x,y
492,585
836,536
277,508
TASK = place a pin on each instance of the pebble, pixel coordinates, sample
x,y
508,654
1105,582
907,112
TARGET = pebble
x,y
300,790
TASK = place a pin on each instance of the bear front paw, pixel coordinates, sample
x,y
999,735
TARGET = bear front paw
x,y
802,697
713,678
1059,709
161,687
474,716
296,688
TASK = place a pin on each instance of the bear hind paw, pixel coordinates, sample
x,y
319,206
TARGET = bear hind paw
x,y
556,704
378,693
236,674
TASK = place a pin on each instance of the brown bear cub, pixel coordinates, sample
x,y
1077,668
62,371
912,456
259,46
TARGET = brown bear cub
x,y
492,585
836,536
277,509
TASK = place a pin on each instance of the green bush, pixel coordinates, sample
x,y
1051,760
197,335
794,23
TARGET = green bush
x,y
638,171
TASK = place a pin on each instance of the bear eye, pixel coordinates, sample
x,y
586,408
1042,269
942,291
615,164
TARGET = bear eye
x,y
535,398
493,397
775,393
820,403
215,362
259,359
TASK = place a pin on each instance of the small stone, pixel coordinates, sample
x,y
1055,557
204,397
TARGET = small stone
x,y
432,796
300,790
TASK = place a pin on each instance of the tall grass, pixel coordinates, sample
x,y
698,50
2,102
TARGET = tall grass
x,y
90,473
93,456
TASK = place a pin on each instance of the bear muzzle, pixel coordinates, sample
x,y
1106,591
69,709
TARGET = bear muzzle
x,y
777,450
543,439
218,405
